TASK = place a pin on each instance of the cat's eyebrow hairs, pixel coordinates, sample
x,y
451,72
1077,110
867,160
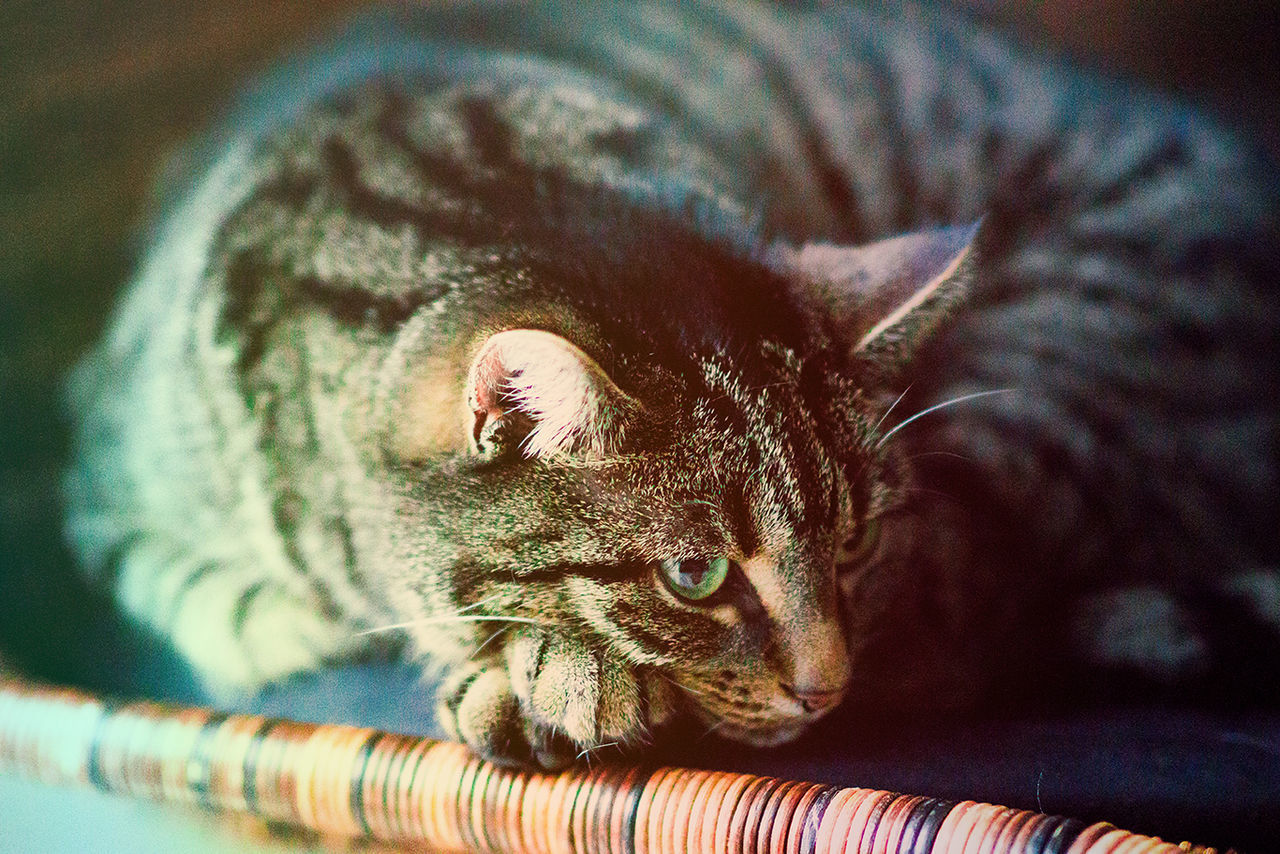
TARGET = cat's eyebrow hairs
x,y
607,573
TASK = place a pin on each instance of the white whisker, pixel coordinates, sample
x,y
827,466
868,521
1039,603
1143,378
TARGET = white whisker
x,y
478,603
715,726
924,490
666,678
951,454
692,501
487,641
937,406
590,750
890,409
458,618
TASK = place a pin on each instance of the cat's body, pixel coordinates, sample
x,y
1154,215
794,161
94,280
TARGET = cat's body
x,y
482,333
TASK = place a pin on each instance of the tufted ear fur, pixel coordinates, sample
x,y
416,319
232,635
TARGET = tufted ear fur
x,y
889,296
535,391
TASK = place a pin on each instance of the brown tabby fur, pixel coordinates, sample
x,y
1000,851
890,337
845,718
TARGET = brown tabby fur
x,y
467,347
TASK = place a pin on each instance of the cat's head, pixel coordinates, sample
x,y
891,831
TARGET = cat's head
x,y
717,525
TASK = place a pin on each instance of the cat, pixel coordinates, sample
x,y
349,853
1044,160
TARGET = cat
x,y
635,363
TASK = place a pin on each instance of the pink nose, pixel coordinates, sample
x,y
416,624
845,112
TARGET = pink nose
x,y
815,699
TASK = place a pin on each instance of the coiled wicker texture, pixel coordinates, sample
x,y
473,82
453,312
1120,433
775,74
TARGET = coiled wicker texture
x,y
362,782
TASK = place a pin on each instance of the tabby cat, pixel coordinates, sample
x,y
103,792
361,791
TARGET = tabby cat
x,y
639,362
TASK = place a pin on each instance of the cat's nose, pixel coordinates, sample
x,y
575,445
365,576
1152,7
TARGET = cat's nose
x,y
815,699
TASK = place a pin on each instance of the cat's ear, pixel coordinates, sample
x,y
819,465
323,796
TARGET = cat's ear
x,y
534,392
888,297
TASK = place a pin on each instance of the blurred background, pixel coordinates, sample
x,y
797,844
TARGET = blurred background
x,y
97,98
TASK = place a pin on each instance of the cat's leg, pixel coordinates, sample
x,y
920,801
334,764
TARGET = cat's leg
x,y
589,694
548,699
261,632
238,627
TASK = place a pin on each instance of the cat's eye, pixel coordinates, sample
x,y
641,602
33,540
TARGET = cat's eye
x,y
860,546
696,578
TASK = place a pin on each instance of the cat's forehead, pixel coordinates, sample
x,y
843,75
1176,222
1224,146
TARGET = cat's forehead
x,y
759,426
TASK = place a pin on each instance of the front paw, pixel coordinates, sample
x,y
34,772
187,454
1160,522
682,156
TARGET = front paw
x,y
549,701
478,708
590,696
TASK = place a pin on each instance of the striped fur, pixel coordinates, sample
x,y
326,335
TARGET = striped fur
x,y
283,457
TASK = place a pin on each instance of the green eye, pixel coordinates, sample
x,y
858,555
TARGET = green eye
x,y
860,545
697,578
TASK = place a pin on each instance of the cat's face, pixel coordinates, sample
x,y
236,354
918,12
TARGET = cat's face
x,y
699,526
739,586
714,526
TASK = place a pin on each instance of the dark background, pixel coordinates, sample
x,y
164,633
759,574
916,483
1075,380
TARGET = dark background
x,y
96,98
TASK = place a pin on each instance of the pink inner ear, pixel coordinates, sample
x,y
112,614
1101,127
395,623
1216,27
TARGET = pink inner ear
x,y
550,395
488,378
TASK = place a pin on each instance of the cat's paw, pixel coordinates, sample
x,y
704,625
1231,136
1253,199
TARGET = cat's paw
x,y
588,695
477,707
550,702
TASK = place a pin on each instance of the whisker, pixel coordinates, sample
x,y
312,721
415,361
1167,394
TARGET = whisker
x,y
478,603
937,406
890,409
692,501
487,640
935,493
457,618
952,454
590,750
715,726
666,678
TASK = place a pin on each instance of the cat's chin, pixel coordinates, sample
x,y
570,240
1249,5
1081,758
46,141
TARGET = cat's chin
x,y
757,735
